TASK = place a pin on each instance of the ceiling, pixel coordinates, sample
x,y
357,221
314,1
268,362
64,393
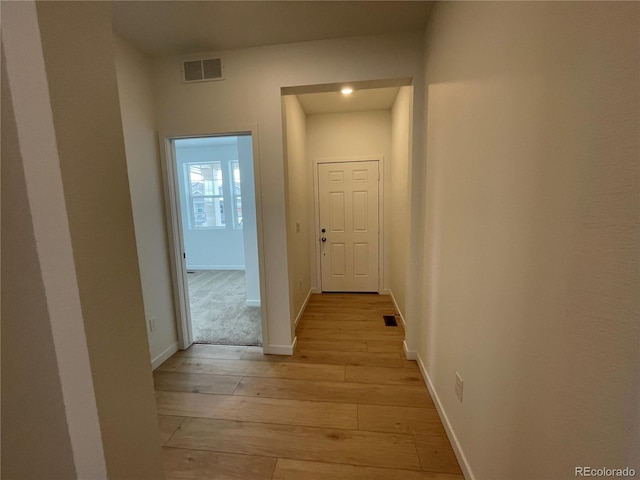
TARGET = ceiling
x,y
359,100
162,28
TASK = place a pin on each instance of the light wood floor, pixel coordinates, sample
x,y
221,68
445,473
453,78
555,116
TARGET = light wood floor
x,y
346,405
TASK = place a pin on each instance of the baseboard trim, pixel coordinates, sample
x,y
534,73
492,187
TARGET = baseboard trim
x,y
280,349
409,354
384,291
164,356
395,304
215,267
316,290
304,305
253,303
457,449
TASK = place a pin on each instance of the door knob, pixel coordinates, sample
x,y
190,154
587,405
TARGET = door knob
x,y
324,230
324,239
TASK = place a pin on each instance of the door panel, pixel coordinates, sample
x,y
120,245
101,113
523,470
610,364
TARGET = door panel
x,y
336,220
336,177
360,176
360,259
348,203
360,214
338,260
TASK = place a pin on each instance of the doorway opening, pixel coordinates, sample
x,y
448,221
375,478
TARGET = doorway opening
x,y
214,192
348,169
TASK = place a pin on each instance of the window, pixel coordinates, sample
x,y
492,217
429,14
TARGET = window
x,y
208,194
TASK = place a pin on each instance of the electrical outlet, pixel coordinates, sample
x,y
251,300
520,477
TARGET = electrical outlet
x,y
152,324
459,386
297,227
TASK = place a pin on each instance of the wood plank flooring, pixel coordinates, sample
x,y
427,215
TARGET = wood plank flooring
x,y
346,405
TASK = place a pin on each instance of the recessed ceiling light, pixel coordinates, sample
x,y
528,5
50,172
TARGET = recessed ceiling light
x,y
347,90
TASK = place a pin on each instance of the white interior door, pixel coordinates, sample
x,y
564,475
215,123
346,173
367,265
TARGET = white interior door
x,y
348,204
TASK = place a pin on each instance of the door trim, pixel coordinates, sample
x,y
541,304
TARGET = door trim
x,y
176,246
174,225
316,214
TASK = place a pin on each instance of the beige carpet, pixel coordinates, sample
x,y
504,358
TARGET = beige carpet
x,y
219,313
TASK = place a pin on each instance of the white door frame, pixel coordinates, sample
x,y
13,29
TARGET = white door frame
x,y
174,226
316,213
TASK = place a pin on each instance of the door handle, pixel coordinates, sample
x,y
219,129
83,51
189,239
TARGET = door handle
x,y
324,239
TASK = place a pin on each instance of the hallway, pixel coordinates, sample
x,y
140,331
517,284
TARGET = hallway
x,y
346,405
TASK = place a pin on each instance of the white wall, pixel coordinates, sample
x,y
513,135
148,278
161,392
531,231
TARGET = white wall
x,y
210,248
530,284
300,225
251,95
60,65
32,387
147,198
352,135
398,197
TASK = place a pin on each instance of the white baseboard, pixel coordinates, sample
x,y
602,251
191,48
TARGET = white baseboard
x,y
253,303
280,349
215,267
395,304
457,449
164,356
304,305
410,354
385,291
316,290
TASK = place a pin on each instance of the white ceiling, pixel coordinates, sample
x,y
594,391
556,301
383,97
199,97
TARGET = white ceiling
x,y
161,28
359,100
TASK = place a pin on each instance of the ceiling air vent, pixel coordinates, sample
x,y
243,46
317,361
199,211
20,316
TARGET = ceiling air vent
x,y
202,70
